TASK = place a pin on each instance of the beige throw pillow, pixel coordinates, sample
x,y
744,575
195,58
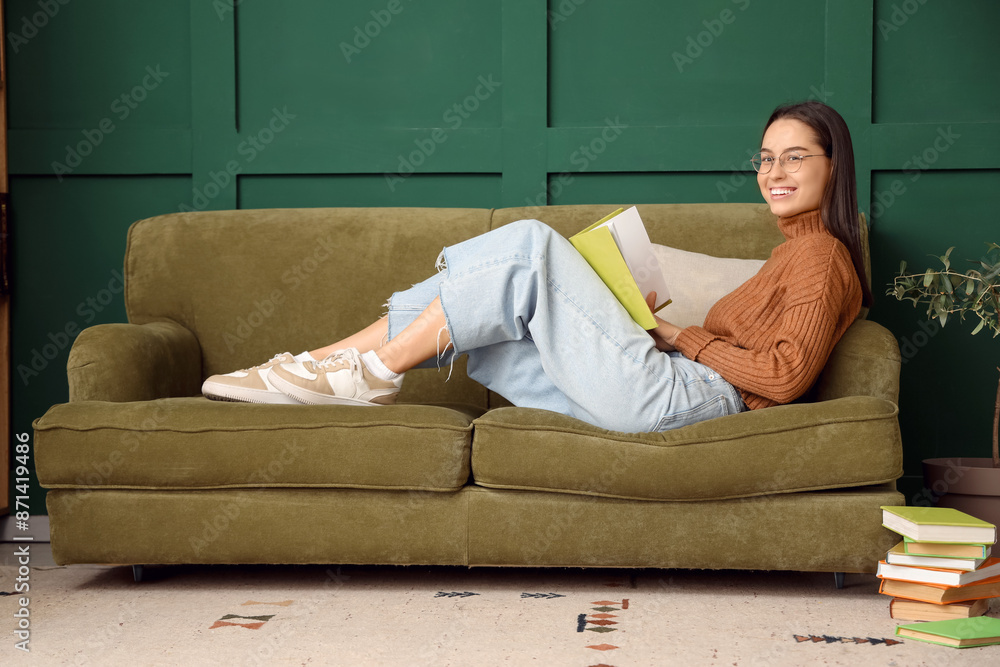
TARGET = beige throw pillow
x,y
697,281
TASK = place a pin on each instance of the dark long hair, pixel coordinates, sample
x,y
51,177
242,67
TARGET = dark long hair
x,y
839,207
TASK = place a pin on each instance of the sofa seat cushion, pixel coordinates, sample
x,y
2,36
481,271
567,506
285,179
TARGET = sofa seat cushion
x,y
195,443
845,442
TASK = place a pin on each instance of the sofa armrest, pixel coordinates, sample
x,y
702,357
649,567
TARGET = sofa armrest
x,y
134,362
866,362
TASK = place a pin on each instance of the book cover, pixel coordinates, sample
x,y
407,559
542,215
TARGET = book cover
x,y
937,524
935,575
898,556
939,593
946,550
957,632
617,247
914,610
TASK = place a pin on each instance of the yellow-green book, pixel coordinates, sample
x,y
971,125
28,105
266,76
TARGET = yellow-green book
x,y
618,248
937,524
957,632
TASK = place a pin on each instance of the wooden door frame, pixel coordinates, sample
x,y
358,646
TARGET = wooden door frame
x,y
5,394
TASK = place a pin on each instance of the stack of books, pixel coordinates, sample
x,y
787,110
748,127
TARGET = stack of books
x,y
941,572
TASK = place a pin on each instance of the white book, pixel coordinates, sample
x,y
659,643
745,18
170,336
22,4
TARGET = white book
x,y
924,575
633,242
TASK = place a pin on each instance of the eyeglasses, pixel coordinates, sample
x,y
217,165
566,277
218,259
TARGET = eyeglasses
x,y
790,161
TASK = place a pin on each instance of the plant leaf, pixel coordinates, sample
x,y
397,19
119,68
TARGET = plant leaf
x,y
945,258
946,283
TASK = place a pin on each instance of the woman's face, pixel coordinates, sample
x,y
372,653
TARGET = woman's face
x,y
791,193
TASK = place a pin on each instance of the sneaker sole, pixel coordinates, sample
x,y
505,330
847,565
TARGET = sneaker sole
x,y
316,398
235,395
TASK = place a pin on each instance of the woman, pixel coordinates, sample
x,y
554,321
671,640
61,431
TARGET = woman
x,y
541,329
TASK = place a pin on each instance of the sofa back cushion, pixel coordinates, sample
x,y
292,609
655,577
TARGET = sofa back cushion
x,y
745,231
252,283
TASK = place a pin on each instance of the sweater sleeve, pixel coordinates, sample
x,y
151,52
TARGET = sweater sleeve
x,y
785,369
781,362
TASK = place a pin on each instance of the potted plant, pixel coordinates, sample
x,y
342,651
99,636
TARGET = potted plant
x,y
971,485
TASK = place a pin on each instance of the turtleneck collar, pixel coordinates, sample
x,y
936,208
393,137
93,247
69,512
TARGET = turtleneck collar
x,y
802,224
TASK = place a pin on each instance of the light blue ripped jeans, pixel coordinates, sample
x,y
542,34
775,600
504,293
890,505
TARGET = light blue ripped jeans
x,y
542,330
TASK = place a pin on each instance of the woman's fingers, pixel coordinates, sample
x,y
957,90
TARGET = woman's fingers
x,y
651,300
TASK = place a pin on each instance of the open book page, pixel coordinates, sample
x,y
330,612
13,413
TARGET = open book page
x,y
633,242
605,244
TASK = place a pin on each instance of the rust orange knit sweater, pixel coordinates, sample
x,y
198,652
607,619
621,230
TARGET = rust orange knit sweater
x,y
771,337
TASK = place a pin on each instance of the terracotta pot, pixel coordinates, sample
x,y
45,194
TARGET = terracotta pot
x,y
971,485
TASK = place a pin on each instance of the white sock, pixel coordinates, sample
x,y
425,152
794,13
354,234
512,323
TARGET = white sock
x,y
305,356
377,368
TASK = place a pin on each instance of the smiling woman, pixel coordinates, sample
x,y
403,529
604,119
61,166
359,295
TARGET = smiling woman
x,y
786,186
525,307
806,163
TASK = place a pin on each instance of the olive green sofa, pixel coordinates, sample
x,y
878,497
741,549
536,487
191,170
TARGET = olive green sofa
x,y
141,469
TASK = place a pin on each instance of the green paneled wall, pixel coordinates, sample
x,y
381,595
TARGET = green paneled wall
x,y
949,377
296,190
120,110
673,63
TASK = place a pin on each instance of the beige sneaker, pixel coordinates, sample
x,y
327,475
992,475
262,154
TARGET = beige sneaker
x,y
250,385
340,379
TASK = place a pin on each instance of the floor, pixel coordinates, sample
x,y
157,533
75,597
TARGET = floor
x,y
351,615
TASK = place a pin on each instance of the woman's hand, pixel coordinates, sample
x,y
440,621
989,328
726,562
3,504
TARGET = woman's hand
x,y
665,333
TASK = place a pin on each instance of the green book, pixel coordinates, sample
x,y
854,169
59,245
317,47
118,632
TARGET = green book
x,y
617,247
938,524
957,632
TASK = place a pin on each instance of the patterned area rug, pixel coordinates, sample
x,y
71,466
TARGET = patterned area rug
x,y
348,615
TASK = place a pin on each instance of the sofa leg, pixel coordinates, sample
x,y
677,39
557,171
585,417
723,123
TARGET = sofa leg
x,y
137,573
838,579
